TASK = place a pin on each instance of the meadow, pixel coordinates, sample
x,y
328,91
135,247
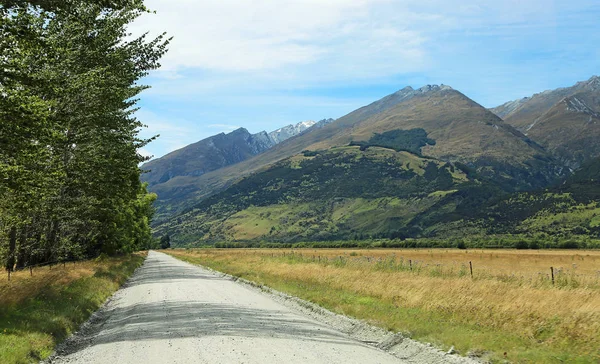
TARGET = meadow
x,y
39,309
509,308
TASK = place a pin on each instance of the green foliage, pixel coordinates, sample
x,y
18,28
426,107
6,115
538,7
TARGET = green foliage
x,y
473,242
399,140
165,242
69,176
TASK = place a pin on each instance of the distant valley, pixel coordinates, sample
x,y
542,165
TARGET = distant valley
x,y
427,162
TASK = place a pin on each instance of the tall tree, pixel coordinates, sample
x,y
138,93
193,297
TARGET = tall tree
x,y
69,176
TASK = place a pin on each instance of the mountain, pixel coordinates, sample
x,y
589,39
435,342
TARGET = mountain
x,y
524,112
184,191
340,193
279,135
211,154
415,163
463,131
564,121
206,155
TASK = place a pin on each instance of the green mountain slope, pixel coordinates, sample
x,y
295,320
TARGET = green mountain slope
x,y
339,193
569,209
364,191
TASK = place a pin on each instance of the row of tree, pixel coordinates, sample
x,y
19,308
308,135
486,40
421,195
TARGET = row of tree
x,y
69,175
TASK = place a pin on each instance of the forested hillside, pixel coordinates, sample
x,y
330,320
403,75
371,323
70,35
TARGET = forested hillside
x,y
69,178
341,193
369,191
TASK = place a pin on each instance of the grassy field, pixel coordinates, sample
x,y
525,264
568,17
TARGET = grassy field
x,y
508,310
40,310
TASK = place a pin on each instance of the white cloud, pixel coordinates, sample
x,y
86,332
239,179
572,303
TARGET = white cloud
x,y
255,63
303,43
268,35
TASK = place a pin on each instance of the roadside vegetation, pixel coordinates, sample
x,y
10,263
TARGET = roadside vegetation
x,y
39,309
510,307
519,242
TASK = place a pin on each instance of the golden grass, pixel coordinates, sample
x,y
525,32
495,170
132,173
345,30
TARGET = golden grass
x,y
24,285
38,311
509,306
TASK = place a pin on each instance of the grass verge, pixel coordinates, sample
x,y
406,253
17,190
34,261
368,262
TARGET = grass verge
x,y
519,317
38,311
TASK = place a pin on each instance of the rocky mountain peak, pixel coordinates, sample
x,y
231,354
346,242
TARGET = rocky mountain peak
x,y
594,83
281,134
432,88
239,131
406,89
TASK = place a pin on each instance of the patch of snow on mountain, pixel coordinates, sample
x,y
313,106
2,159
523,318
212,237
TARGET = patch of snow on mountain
x,y
289,131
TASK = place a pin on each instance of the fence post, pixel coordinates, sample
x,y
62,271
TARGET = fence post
x,y
31,270
552,272
471,267
410,264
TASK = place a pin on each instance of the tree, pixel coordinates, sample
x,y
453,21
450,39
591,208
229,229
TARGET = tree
x,y
165,242
69,176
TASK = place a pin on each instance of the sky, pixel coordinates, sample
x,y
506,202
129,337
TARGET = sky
x,y
264,64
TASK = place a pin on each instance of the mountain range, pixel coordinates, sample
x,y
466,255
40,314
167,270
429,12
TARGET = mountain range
x,y
417,163
215,152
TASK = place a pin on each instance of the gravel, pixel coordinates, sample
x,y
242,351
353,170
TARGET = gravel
x,y
170,311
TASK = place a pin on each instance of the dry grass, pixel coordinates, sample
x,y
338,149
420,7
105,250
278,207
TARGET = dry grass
x,y
509,306
38,311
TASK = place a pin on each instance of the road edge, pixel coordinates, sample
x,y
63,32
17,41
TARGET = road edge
x,y
83,336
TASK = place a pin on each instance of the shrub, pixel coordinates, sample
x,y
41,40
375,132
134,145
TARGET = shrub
x,y
521,244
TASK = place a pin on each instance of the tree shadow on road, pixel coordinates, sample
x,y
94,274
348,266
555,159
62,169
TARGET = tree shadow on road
x,y
172,319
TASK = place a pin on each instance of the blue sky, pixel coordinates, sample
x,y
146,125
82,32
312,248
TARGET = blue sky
x,y
263,64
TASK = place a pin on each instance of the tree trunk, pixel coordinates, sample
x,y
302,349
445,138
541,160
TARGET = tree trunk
x,y
34,255
52,240
22,250
12,244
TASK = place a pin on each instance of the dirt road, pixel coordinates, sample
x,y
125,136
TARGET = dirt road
x,y
173,312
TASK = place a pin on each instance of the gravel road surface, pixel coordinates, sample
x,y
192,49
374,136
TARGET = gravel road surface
x,y
173,312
